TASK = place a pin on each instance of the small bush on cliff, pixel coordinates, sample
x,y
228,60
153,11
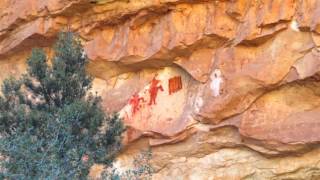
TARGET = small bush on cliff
x,y
49,123
141,170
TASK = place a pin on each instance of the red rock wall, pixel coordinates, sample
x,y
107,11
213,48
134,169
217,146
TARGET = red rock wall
x,y
249,105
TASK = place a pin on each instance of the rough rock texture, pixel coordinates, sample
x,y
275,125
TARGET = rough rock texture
x,y
223,89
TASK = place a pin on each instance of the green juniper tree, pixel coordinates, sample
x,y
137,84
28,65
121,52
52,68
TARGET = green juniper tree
x,y
49,123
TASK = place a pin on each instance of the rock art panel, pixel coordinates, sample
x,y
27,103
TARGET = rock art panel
x,y
159,113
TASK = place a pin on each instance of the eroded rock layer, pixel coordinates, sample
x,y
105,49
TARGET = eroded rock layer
x,y
223,89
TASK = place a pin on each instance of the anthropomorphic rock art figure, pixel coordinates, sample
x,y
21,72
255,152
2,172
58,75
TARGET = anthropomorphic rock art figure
x,y
153,90
294,26
216,81
135,103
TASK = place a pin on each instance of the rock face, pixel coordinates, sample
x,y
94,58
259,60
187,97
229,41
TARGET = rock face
x,y
219,89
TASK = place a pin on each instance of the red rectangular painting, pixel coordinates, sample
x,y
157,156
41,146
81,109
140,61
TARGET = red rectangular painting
x,y
175,84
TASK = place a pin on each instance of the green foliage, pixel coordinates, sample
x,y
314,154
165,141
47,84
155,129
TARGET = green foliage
x,y
50,124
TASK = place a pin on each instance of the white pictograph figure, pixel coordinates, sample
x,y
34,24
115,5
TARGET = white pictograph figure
x,y
294,25
216,81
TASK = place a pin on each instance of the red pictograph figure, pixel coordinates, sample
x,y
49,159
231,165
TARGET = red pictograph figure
x,y
135,103
153,90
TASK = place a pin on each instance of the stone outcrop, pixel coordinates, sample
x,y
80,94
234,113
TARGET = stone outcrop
x,y
224,89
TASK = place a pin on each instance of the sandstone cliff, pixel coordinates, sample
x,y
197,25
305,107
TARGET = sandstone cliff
x,y
223,89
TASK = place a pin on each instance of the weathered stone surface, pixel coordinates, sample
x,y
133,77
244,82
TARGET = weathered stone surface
x,y
221,154
247,105
288,115
247,71
221,164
